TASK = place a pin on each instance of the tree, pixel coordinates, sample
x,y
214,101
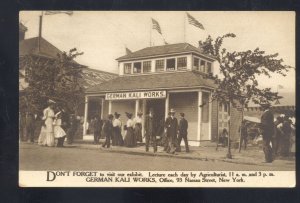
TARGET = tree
x,y
239,70
56,79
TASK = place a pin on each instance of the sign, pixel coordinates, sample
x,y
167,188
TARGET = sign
x,y
135,95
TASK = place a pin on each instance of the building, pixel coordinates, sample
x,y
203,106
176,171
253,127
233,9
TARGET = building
x,y
38,47
285,105
164,77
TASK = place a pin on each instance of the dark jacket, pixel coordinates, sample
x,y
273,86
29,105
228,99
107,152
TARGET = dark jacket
x,y
183,126
267,124
171,126
97,125
150,125
107,128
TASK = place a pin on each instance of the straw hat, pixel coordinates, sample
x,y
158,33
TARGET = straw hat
x,y
172,111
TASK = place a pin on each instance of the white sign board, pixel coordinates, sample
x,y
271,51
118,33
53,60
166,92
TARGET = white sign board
x,y
135,95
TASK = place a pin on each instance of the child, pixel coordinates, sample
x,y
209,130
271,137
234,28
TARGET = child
x,y
59,133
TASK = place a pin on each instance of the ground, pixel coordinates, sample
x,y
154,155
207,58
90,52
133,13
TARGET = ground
x,y
76,157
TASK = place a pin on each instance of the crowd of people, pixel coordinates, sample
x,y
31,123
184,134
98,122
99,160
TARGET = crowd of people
x,y
174,131
55,126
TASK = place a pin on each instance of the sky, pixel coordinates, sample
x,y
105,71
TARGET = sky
x,y
103,35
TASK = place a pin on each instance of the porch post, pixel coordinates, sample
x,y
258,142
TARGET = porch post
x,y
167,105
199,115
86,104
210,115
109,107
144,115
102,107
136,107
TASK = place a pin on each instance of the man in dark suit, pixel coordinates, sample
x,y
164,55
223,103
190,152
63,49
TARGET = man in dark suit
x,y
182,131
267,131
172,129
150,130
108,130
30,124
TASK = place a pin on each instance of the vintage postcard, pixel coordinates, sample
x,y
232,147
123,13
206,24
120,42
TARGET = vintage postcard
x,y
156,99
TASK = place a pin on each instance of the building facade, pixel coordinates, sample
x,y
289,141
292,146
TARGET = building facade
x,y
164,77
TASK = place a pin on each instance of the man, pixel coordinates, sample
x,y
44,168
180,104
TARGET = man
x,y
182,131
286,131
72,128
97,126
277,137
172,129
267,131
30,122
150,130
108,130
244,134
165,137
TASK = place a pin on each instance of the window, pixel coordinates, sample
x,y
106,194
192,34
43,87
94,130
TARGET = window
x,y
196,64
146,66
202,66
209,67
181,63
171,64
127,68
159,65
137,67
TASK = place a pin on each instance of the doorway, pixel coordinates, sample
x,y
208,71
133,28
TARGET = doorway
x,y
158,106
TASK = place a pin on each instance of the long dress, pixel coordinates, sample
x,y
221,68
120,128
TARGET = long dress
x,y
42,136
138,129
48,116
129,140
117,126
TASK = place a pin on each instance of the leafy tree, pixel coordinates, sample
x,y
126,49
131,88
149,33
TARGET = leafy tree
x,y
238,82
56,79
240,70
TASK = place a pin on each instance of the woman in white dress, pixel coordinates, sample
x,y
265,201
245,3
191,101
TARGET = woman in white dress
x,y
48,117
138,127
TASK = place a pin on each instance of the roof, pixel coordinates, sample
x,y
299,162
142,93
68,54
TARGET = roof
x,y
91,77
30,46
22,28
164,50
288,99
174,80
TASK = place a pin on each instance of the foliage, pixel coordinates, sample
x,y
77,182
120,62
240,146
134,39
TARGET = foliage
x,y
239,83
56,79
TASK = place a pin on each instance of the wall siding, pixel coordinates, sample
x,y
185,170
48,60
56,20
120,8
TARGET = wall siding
x,y
186,103
235,121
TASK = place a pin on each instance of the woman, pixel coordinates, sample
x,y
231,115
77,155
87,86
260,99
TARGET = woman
x,y
59,133
48,117
129,140
138,127
42,136
117,126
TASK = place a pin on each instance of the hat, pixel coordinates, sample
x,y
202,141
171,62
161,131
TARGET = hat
x,y
110,116
129,115
140,113
172,111
182,114
50,101
117,114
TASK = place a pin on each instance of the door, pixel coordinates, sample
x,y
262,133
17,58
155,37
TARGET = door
x,y
223,116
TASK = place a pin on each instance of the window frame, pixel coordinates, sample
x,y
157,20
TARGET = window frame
x,y
131,69
177,61
175,64
141,62
164,65
143,70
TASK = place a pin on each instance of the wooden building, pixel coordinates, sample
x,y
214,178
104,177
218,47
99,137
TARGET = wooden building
x,y
165,77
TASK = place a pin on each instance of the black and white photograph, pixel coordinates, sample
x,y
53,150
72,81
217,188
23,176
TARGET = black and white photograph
x,y
157,98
